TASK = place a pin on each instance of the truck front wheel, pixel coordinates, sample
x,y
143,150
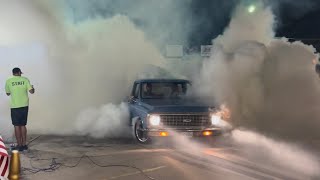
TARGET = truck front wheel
x,y
140,134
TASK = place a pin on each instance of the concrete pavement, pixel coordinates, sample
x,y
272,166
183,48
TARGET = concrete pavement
x,y
70,157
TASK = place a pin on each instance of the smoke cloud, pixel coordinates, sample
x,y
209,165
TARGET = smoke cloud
x,y
269,84
284,154
109,120
164,22
90,63
91,52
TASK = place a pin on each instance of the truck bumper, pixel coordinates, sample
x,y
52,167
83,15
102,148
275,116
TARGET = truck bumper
x,y
185,132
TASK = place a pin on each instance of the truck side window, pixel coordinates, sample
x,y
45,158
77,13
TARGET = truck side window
x,y
136,91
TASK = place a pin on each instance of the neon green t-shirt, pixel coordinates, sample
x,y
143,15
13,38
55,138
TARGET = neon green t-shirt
x,y
18,88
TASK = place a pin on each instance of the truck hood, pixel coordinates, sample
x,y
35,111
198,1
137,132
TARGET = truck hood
x,y
174,105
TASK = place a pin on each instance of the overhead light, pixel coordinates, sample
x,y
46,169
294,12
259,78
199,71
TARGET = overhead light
x,y
251,8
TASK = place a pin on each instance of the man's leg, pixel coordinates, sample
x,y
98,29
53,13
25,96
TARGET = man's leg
x,y
24,135
17,132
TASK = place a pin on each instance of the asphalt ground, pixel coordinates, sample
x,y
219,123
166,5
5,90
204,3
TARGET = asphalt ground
x,y
74,157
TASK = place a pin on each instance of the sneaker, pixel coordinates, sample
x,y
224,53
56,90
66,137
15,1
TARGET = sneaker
x,y
14,147
25,147
20,148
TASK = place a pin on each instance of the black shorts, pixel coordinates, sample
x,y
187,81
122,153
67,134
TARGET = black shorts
x,y
19,116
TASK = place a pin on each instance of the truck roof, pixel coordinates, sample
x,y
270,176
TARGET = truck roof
x,y
162,80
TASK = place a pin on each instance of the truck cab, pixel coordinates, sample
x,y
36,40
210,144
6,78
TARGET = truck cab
x,y
163,108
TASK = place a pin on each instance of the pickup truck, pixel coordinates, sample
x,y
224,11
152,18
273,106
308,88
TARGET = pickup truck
x,y
162,108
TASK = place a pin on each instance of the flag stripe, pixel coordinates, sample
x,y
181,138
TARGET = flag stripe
x,y
4,169
3,151
3,154
4,160
2,146
2,164
1,160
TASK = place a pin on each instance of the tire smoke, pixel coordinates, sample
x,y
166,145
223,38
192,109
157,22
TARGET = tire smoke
x,y
87,64
269,84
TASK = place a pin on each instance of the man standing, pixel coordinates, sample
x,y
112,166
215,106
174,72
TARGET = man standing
x,y
18,87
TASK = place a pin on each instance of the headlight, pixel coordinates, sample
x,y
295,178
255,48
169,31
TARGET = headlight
x,y
220,117
215,119
154,120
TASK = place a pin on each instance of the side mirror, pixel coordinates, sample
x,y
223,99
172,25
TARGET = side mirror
x,y
131,99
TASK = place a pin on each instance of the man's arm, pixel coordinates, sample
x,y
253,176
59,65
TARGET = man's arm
x,y
7,89
30,87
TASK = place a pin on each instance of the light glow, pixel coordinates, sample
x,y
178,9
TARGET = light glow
x,y
251,9
164,134
207,133
154,120
215,119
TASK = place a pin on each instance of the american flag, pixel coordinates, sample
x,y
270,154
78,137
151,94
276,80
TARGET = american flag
x,y
4,160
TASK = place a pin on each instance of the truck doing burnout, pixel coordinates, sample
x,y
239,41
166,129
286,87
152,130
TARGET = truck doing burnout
x,y
161,108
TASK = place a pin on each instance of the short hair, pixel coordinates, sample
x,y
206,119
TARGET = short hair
x,y
16,70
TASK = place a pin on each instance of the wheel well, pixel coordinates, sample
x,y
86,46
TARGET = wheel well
x,y
134,120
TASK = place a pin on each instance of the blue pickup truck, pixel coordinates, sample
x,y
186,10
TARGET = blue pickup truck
x,y
161,108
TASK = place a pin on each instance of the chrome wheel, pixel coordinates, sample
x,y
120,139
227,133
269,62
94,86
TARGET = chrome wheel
x,y
140,134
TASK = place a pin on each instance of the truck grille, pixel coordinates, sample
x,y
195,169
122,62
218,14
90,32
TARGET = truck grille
x,y
185,120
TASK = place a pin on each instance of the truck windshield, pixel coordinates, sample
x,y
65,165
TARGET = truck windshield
x,y
160,90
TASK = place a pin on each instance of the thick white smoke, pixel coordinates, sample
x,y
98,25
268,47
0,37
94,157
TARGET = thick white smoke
x,y
23,39
268,83
109,120
87,64
164,22
287,155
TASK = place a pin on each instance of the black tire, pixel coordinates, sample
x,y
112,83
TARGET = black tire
x,y
140,135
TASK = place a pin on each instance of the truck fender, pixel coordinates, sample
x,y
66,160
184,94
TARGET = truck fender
x,y
134,120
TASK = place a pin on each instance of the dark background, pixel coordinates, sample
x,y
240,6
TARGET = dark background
x,y
296,19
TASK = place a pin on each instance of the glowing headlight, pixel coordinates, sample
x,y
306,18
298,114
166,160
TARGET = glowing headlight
x,y
154,120
215,119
